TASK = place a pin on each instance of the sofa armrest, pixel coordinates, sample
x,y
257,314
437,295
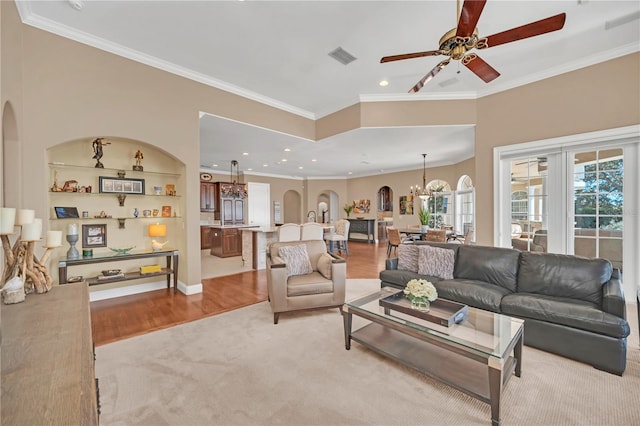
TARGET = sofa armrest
x,y
336,259
613,295
391,263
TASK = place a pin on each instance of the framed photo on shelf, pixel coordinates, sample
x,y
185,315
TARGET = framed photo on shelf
x,y
121,185
66,212
94,235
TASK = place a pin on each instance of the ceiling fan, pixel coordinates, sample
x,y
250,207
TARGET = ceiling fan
x,y
458,42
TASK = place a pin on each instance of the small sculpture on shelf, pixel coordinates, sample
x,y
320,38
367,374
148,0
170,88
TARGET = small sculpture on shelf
x,y
98,144
138,166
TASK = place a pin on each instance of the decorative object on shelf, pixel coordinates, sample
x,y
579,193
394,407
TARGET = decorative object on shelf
x,y
94,235
138,166
98,144
166,211
348,208
75,279
87,253
361,206
102,215
421,293
157,230
424,216
66,212
171,189
70,186
55,187
155,212
124,250
234,189
121,174
72,238
157,190
111,185
150,269
121,199
85,214
205,177
146,213
136,213
111,272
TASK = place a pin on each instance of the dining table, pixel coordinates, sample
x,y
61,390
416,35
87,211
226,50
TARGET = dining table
x,y
451,235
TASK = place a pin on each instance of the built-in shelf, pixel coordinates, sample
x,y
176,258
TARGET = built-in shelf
x,y
98,169
103,194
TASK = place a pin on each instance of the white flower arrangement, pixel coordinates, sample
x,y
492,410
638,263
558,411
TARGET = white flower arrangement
x,y
420,290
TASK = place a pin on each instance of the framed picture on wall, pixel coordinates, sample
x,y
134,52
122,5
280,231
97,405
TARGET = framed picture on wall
x,y
121,185
406,204
94,235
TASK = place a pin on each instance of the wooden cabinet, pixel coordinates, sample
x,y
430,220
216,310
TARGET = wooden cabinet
x,y
226,242
232,211
208,195
205,237
48,359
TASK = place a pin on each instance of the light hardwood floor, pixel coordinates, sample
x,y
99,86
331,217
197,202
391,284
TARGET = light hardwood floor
x,y
128,316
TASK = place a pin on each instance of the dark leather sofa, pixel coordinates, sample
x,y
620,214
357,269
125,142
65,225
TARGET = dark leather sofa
x,y
572,306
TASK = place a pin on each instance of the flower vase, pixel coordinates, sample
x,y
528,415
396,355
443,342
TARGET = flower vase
x,y
420,305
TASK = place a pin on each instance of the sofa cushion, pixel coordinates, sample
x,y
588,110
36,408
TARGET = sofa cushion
x,y
296,259
313,283
408,257
477,294
564,276
565,311
493,265
434,261
324,266
400,279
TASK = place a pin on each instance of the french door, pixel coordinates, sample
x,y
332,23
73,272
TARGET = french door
x,y
573,195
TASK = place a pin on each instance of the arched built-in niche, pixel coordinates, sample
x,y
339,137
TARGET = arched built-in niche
x,y
11,159
291,207
385,201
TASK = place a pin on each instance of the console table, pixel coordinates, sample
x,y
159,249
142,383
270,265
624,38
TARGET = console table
x,y
170,254
362,226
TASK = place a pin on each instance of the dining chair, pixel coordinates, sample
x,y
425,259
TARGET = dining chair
x,y
437,235
340,238
394,240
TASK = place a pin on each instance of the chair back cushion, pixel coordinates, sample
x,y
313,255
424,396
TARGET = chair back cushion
x,y
315,249
289,232
563,275
311,231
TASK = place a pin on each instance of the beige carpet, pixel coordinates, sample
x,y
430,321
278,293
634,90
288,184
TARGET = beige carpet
x,y
238,368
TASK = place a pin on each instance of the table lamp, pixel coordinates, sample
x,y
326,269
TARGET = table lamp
x,y
157,230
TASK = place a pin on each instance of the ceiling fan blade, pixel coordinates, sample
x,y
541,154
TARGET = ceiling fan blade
x,y
553,23
424,80
480,68
469,16
410,56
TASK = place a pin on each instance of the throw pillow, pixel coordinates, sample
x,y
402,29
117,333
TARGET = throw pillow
x,y
324,266
436,262
408,257
296,259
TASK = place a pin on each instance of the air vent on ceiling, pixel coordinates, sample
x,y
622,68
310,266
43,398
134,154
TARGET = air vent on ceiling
x,y
342,56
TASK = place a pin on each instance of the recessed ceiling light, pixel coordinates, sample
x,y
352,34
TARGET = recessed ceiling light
x,y
313,160
300,167
245,153
350,173
284,160
249,169
265,165
214,165
383,83
287,149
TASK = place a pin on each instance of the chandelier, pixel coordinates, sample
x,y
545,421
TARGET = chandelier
x,y
234,189
425,193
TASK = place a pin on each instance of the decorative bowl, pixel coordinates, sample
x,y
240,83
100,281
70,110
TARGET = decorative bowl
x,y
121,250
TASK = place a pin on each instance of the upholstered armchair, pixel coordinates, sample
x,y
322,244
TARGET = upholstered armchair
x,y
302,275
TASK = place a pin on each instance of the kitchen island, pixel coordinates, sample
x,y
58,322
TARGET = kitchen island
x,y
255,241
226,240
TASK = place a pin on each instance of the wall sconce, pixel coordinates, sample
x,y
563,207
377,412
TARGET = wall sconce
x,y
157,230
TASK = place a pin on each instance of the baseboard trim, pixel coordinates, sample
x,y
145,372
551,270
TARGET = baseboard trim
x,y
96,294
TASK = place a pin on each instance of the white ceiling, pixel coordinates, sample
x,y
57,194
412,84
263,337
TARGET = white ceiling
x,y
277,53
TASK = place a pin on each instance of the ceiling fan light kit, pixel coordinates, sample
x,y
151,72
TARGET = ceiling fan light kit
x,y
458,42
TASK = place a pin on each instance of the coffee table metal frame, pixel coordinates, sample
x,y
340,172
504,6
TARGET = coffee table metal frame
x,y
456,359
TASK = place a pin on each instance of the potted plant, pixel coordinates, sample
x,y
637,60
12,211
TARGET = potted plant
x,y
424,217
347,209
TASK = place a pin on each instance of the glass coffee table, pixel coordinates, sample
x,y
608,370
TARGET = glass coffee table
x,y
478,356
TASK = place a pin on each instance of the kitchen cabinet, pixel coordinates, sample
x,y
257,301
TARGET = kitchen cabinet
x,y
205,237
226,242
208,195
232,211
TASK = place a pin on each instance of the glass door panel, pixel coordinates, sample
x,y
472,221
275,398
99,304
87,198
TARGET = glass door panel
x,y
529,204
598,204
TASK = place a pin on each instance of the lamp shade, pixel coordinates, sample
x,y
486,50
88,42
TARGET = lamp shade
x,y
157,230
